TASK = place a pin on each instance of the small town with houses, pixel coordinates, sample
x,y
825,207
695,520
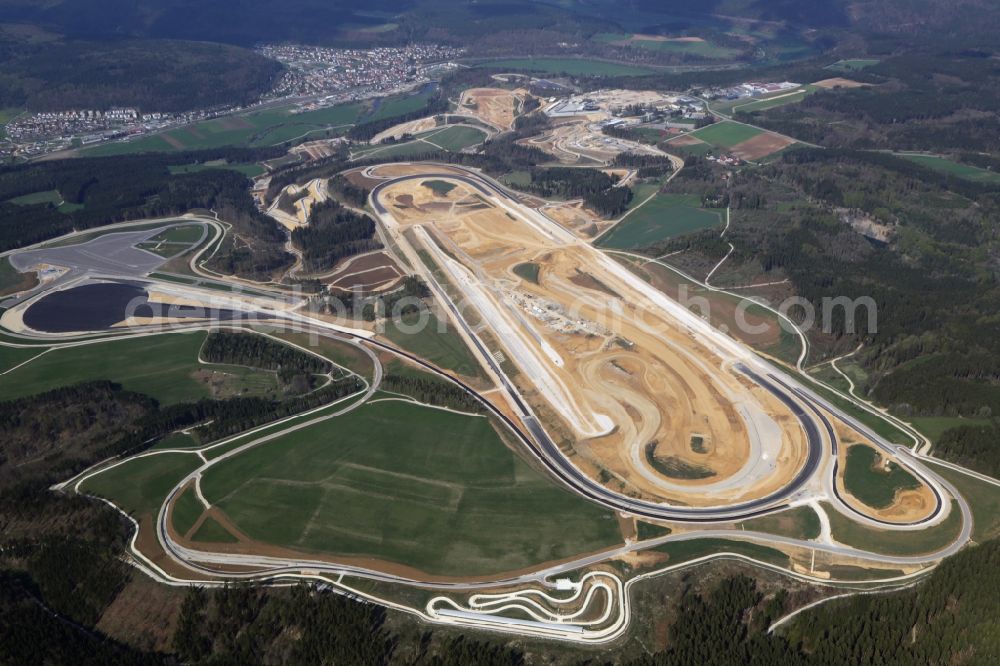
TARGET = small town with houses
x,y
314,70
316,77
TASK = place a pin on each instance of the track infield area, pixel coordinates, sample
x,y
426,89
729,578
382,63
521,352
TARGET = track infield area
x,y
407,484
665,216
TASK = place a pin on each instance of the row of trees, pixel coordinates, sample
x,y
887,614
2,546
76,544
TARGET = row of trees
x,y
366,130
596,188
432,391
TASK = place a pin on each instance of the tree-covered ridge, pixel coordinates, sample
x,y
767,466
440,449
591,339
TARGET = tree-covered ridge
x,y
596,188
115,189
926,99
334,233
66,429
151,75
862,224
257,351
432,391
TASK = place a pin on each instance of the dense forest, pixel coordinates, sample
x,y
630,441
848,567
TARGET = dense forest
x,y
152,75
432,391
596,188
864,224
944,101
296,369
646,166
334,233
105,190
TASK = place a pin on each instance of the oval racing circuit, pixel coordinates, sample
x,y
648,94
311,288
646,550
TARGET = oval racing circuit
x,y
815,477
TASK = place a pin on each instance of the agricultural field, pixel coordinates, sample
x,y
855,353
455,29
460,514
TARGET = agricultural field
x,y
695,46
437,342
456,138
49,196
453,138
418,486
853,64
664,216
946,166
568,66
746,142
13,356
726,134
265,128
867,479
161,366
261,128
140,485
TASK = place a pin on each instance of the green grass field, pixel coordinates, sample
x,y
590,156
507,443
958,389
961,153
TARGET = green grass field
x,y
853,64
260,128
12,356
665,216
452,139
49,196
894,542
437,342
423,487
140,485
408,149
726,134
943,165
457,138
11,279
682,551
160,366
650,135
800,523
211,531
177,440
186,511
697,149
983,499
569,66
182,233
705,49
870,485
7,115
642,191
933,427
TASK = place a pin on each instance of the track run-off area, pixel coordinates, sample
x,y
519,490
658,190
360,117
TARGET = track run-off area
x,y
621,396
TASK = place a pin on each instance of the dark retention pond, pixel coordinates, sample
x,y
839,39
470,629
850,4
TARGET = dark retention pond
x,y
95,307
